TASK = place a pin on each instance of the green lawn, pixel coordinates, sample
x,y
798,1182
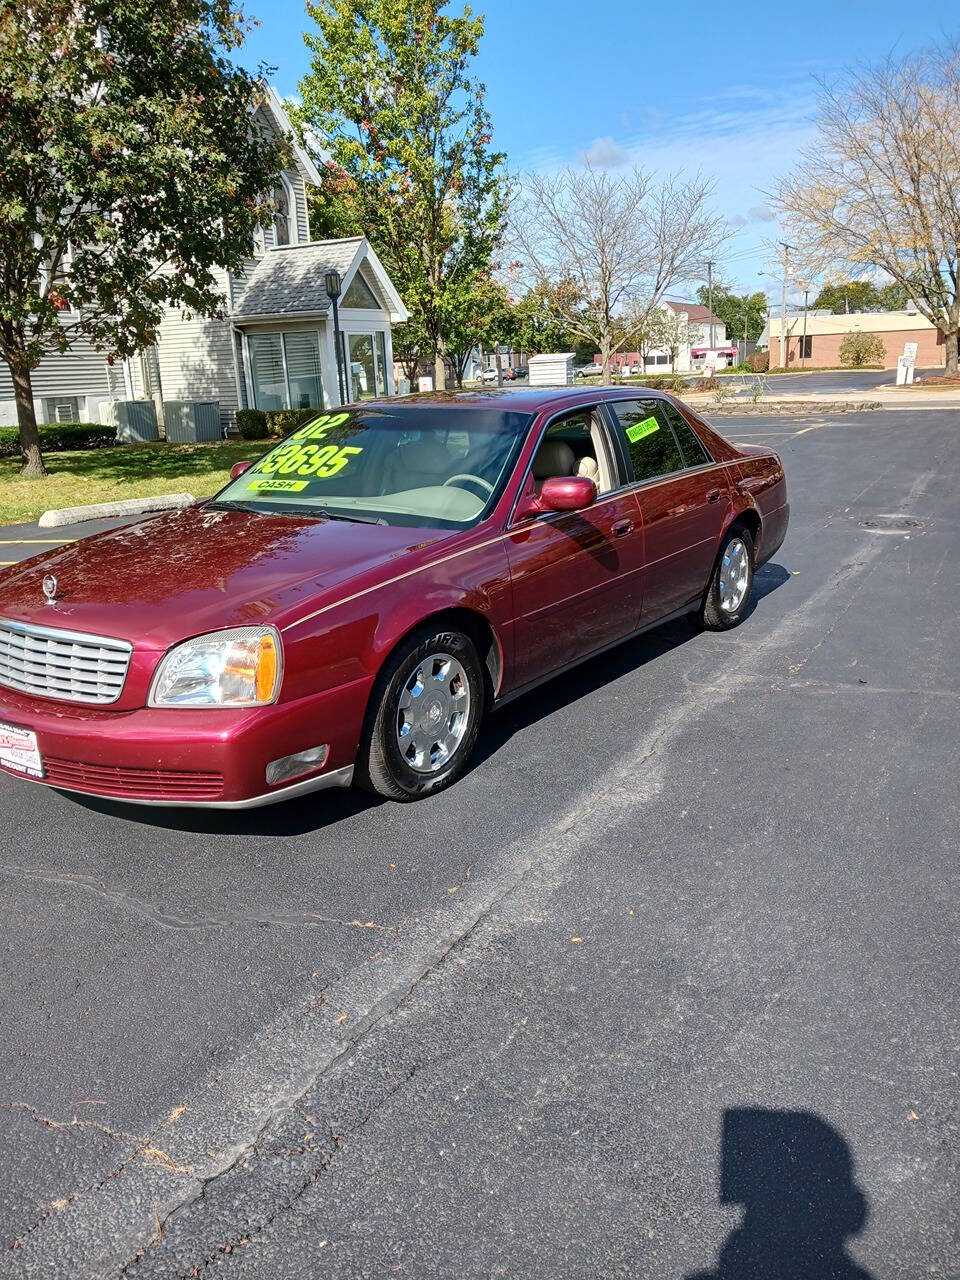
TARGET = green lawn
x,y
131,471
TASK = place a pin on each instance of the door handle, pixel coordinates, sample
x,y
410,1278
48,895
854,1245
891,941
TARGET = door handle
x,y
621,528
714,495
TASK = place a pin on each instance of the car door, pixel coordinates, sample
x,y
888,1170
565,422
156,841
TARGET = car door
x,y
576,575
684,498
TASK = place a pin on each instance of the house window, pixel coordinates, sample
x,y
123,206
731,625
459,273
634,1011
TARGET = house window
x,y
281,219
360,295
305,389
806,347
285,370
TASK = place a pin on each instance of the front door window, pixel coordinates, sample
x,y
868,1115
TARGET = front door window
x,y
362,368
366,364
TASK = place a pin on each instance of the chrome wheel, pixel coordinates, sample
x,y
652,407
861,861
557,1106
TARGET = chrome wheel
x,y
734,575
434,713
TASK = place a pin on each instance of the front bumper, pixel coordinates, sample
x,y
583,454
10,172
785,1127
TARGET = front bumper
x,y
214,759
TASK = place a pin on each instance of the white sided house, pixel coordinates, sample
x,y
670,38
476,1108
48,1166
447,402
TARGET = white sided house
x,y
273,348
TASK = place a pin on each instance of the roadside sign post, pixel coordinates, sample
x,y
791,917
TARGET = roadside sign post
x,y
906,364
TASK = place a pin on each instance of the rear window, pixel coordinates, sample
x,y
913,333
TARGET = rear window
x,y
694,451
649,437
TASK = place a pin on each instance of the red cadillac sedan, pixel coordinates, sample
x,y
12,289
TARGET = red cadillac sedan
x,y
351,605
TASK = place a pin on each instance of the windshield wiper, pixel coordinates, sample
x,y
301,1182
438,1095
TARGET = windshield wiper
x,y
292,509
337,515
230,505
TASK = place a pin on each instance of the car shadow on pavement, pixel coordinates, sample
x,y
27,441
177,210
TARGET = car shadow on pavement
x,y
793,1173
591,676
327,808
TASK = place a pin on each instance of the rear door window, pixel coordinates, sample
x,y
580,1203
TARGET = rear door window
x,y
694,450
649,438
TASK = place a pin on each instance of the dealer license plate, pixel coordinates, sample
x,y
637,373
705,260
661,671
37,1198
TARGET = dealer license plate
x,y
19,750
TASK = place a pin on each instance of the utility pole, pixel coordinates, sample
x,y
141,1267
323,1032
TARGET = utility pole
x,y
783,304
710,299
803,349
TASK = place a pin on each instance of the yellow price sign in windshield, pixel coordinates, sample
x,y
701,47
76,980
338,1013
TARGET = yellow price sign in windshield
x,y
276,486
319,426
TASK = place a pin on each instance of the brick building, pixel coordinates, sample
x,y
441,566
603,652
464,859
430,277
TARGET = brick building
x,y
826,332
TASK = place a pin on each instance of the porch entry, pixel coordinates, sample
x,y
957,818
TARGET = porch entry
x,y
365,364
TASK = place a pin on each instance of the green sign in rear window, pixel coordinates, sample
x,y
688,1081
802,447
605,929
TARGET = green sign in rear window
x,y
640,429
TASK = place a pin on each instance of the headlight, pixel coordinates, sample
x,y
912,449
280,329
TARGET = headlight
x,y
237,668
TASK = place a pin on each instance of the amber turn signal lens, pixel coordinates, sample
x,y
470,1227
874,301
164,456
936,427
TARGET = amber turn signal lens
x,y
267,666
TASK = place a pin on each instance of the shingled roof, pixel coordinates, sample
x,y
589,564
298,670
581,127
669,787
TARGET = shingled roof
x,y
288,281
694,312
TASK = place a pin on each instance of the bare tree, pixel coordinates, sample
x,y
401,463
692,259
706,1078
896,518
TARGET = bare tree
x,y
609,245
880,186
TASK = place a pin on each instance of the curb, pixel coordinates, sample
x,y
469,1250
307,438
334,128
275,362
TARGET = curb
x,y
739,408
108,510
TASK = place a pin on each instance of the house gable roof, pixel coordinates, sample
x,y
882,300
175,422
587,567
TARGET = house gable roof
x,y
288,281
273,104
694,312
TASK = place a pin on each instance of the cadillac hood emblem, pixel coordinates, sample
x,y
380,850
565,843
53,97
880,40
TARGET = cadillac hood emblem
x,y
50,588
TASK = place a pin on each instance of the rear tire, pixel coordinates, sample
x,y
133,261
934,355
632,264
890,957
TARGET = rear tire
x,y
424,717
727,600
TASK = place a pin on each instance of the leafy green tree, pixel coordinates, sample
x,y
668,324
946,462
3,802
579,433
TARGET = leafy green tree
x,y
537,330
731,307
861,295
390,93
477,314
130,171
858,349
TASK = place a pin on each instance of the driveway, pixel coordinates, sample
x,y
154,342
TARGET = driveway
x,y
834,380
677,957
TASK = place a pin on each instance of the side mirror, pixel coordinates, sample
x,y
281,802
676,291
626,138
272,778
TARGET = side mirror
x,y
238,468
559,493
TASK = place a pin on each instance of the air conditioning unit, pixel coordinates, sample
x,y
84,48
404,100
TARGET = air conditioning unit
x,y
190,421
135,420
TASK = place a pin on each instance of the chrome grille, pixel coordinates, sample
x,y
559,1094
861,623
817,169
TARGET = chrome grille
x,y
68,665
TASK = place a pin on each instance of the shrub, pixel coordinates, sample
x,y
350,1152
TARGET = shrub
x,y
56,437
661,382
280,422
858,349
252,424
759,361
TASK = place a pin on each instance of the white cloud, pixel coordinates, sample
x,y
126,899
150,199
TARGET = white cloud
x,y
604,153
744,137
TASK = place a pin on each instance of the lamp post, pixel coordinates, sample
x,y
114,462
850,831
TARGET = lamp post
x,y
331,282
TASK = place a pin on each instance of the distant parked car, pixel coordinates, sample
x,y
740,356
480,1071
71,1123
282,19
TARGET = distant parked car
x,y
590,371
488,375
521,371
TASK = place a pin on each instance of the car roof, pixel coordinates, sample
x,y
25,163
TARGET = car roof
x,y
517,400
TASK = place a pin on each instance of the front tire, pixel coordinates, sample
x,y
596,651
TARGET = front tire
x,y
727,600
425,716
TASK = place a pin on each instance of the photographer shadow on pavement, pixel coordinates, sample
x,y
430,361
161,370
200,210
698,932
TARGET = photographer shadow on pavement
x,y
794,1175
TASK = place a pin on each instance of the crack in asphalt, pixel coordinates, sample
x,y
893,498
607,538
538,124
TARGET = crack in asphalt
x,y
141,1147
167,920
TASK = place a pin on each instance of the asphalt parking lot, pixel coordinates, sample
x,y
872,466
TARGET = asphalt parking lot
x,y
666,986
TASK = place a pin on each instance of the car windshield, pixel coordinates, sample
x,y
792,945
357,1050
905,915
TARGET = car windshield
x,y
405,464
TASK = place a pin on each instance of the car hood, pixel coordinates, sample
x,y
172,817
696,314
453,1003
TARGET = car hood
x,y
177,575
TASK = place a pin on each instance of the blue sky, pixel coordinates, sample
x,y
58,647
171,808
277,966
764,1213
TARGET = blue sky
x,y
726,89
